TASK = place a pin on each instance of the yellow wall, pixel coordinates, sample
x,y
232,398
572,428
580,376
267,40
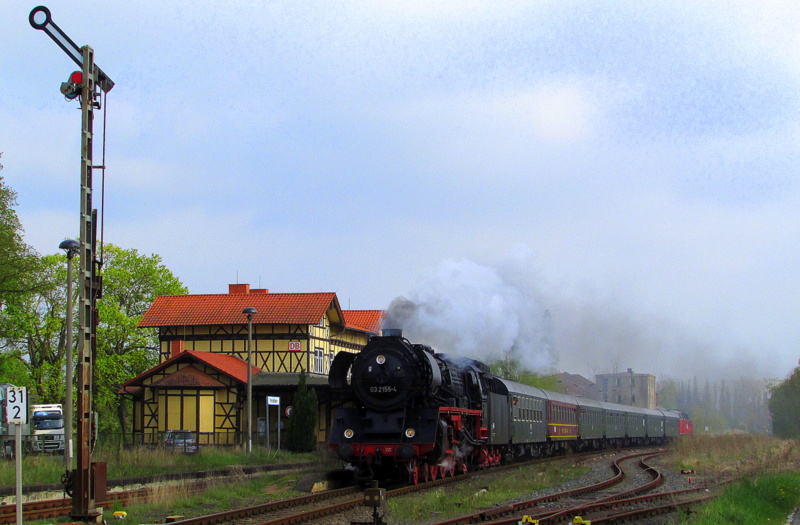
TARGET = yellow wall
x,y
216,411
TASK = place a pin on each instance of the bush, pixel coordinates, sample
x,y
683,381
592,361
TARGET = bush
x,y
302,432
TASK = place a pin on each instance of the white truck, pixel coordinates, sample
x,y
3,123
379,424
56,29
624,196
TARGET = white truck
x,y
47,428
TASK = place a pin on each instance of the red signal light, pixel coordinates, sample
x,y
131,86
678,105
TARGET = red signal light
x,y
72,87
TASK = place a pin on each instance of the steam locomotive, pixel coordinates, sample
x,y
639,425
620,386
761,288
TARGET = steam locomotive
x,y
406,410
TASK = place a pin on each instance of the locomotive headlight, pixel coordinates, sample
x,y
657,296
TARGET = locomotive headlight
x,y
349,433
380,359
410,433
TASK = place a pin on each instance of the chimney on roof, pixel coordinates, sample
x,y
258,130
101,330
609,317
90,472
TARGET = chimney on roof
x,y
238,288
245,288
175,347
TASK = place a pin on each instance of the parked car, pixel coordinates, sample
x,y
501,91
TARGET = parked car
x,y
180,441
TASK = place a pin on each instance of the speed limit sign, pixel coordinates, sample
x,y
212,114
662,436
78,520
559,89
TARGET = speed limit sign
x,y
17,405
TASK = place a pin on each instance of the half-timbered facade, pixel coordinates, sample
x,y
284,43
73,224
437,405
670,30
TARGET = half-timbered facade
x,y
200,381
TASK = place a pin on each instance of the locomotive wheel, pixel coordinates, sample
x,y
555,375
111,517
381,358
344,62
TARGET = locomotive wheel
x,y
434,469
426,473
413,472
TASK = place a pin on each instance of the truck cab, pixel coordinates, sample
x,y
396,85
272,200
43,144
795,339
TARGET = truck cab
x,y
47,426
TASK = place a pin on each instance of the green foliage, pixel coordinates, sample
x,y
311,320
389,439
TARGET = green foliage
x,y
14,370
766,499
668,394
545,382
713,419
302,432
18,261
783,406
33,329
512,369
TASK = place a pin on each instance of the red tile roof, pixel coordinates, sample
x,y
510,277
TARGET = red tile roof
x,y
219,309
364,320
227,364
190,377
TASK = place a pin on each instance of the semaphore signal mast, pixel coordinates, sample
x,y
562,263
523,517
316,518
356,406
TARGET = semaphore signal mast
x,y
86,483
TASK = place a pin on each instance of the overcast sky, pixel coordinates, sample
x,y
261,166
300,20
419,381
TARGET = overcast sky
x,y
623,173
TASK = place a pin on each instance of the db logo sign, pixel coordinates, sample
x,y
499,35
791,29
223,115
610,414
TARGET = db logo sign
x,y
294,346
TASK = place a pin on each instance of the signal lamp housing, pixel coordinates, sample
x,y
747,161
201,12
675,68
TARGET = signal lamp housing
x,y
71,89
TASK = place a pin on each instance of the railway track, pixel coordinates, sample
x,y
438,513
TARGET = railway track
x,y
572,506
194,482
314,507
297,510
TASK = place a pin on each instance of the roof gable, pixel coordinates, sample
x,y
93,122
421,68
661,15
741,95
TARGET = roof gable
x,y
230,365
224,309
364,320
188,376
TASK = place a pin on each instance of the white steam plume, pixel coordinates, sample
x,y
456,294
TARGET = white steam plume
x,y
485,313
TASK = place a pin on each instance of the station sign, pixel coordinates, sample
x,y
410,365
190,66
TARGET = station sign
x,y
273,401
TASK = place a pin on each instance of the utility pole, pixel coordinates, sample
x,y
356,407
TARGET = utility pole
x,y
87,483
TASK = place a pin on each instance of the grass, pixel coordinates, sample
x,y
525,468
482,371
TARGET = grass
x,y
764,499
236,491
767,495
482,491
735,454
769,487
219,496
144,461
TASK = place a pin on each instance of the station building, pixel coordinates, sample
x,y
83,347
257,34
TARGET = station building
x,y
200,383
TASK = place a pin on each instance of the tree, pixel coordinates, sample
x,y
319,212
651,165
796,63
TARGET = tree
x,y
34,329
783,407
668,394
22,273
18,261
131,282
302,432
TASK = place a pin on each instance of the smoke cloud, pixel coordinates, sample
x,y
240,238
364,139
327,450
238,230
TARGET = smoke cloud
x,y
505,310
487,313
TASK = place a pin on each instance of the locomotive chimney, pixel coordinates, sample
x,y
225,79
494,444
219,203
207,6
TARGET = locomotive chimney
x,y
392,332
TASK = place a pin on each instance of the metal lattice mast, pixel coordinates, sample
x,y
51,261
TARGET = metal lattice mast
x,y
83,502
87,482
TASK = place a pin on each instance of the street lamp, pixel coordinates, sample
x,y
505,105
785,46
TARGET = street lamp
x,y
249,311
71,247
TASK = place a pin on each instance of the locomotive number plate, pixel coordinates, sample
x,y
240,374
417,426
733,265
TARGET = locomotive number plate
x,y
382,389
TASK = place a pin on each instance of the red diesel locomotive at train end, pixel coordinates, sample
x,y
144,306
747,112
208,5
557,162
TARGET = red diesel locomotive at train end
x,y
407,411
